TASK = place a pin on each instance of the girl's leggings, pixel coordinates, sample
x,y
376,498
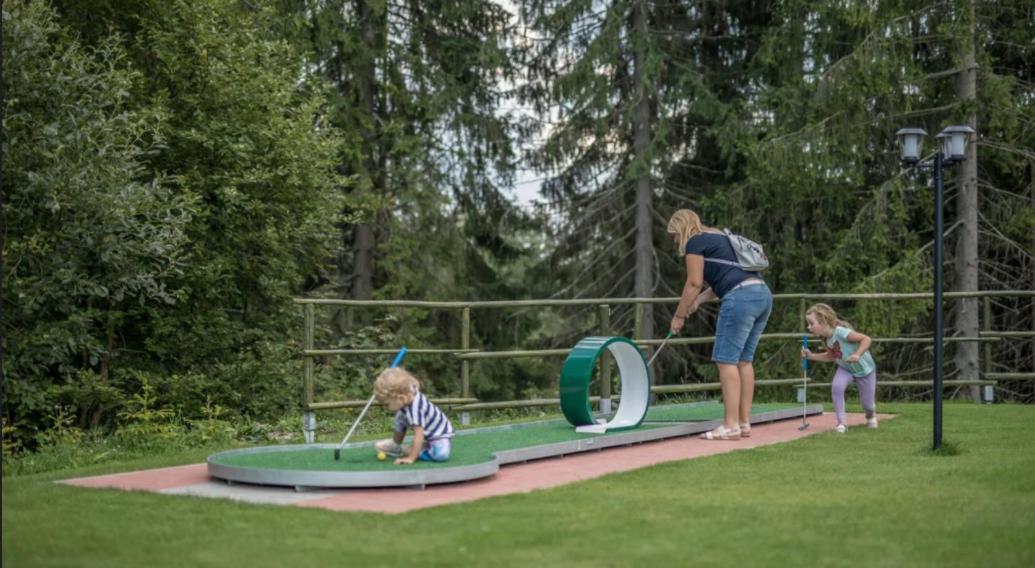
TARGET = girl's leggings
x,y
867,392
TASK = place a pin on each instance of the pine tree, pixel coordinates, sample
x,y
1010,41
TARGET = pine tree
x,y
638,94
417,95
836,81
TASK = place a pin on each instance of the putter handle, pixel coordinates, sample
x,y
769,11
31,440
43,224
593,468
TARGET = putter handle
x,y
805,345
399,356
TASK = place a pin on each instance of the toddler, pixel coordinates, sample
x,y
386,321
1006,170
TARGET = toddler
x,y
400,392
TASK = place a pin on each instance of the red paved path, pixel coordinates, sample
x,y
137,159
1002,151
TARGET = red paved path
x,y
514,478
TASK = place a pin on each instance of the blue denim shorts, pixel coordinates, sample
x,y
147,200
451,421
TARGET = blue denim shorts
x,y
436,450
742,318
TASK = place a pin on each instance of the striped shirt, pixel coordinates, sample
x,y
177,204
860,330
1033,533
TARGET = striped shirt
x,y
421,412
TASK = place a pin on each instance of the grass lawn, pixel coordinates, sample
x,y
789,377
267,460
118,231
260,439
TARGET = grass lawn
x,y
870,498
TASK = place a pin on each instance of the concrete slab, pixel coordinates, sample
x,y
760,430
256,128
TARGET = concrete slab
x,y
149,480
249,493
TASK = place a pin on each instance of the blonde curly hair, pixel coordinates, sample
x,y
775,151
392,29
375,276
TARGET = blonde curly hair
x,y
396,384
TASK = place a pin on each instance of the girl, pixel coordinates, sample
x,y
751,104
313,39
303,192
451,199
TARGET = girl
x,y
400,392
850,350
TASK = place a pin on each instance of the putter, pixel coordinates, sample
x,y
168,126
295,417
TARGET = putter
x,y
660,347
804,382
337,451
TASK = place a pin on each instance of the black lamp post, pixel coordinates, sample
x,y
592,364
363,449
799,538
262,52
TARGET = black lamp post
x,y
953,151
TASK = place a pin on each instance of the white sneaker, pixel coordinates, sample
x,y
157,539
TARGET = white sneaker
x,y
871,423
841,429
389,447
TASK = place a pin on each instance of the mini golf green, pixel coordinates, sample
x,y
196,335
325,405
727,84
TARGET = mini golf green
x,y
476,453
479,453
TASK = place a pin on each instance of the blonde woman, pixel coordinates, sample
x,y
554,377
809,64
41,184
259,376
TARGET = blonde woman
x,y
712,272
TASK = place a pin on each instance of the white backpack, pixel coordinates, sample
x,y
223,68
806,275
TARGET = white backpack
x,y
750,255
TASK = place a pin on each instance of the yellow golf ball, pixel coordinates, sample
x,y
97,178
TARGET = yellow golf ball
x,y
381,456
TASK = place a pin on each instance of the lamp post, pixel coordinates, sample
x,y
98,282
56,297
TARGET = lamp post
x,y
953,150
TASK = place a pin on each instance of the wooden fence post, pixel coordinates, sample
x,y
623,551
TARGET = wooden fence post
x,y
465,365
308,416
604,311
986,365
638,334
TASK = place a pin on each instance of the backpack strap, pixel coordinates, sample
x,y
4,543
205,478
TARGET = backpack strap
x,y
721,261
729,238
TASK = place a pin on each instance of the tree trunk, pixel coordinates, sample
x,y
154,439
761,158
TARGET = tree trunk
x,y
362,262
644,279
364,241
966,262
1031,240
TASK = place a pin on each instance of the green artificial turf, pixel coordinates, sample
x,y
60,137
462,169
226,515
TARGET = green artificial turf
x,y
868,497
469,447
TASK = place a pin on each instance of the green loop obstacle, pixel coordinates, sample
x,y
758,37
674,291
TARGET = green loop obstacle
x,y
578,371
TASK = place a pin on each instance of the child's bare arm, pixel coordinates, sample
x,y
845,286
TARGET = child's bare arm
x,y
864,344
415,449
825,356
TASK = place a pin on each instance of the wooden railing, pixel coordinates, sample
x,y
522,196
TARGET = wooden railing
x,y
465,353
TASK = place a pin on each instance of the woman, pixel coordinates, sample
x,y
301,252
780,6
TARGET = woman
x,y
712,272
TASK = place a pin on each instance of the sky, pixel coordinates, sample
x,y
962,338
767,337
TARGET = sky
x,y
526,182
526,188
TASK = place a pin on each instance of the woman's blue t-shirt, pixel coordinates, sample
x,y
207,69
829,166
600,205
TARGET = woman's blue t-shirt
x,y
721,277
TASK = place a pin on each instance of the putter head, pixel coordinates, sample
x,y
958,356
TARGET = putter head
x,y
337,454
804,426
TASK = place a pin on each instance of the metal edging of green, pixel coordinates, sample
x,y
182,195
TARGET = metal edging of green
x,y
577,373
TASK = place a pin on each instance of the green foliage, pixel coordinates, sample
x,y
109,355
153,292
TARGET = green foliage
x,y
242,142
828,196
94,237
10,444
167,195
423,138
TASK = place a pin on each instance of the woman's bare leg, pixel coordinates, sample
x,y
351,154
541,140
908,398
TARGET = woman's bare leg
x,y
729,376
747,389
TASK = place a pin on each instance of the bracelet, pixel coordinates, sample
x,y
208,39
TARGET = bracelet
x,y
680,317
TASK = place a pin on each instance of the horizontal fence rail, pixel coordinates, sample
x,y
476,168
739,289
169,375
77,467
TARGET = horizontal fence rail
x,y
465,354
627,301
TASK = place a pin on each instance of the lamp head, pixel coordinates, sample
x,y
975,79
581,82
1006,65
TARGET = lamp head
x,y
909,141
954,142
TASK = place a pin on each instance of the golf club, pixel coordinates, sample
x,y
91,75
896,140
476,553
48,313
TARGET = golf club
x,y
337,451
660,347
804,382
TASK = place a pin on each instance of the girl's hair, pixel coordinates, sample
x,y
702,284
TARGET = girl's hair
x,y
684,225
395,384
826,315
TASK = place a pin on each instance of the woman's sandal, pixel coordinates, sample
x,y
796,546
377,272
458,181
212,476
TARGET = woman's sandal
x,y
745,430
722,433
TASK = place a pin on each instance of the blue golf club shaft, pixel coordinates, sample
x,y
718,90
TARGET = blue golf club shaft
x,y
395,363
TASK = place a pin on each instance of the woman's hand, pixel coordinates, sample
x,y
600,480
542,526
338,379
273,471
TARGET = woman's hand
x,y
677,323
404,461
806,353
853,358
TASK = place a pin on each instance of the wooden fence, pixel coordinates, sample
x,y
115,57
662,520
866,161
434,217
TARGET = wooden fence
x,y
465,353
